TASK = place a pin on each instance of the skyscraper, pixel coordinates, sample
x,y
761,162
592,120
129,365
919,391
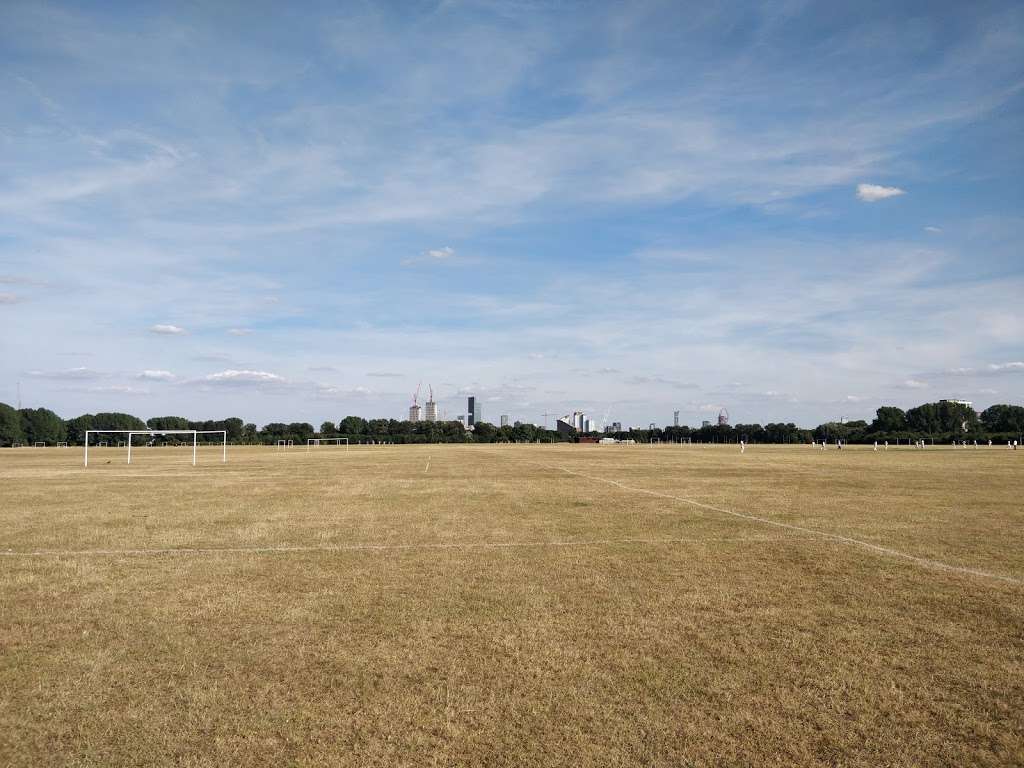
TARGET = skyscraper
x,y
430,412
414,412
504,419
675,418
473,412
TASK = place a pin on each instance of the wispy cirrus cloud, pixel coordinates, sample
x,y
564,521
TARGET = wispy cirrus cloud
x,y
71,374
988,370
243,378
660,380
118,389
445,255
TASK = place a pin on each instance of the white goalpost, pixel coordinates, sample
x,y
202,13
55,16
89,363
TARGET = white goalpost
x,y
155,432
315,441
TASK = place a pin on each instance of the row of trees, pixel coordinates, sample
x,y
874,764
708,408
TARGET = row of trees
x,y
942,421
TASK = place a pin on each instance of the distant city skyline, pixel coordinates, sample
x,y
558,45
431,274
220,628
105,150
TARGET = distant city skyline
x,y
799,212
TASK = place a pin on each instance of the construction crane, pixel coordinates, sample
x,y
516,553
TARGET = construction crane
x,y
416,394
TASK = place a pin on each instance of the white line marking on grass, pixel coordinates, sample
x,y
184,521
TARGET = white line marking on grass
x,y
389,547
922,561
427,468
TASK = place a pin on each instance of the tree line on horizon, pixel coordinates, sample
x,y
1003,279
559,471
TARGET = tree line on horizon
x,y
942,421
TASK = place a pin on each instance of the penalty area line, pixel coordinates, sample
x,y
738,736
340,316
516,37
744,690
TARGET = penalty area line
x,y
877,548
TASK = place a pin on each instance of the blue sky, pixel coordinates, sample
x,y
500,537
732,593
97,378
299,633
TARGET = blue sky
x,y
288,212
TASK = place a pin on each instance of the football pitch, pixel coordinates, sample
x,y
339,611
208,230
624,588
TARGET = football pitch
x,y
512,606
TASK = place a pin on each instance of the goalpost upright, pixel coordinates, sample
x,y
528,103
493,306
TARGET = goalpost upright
x,y
156,432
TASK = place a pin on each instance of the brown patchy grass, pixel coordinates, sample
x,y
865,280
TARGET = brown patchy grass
x,y
615,628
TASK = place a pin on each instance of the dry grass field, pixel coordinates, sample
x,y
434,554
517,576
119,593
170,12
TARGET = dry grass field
x,y
512,606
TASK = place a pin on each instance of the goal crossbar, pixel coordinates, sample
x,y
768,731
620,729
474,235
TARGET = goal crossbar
x,y
157,432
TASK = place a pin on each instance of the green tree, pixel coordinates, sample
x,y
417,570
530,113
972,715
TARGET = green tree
x,y
352,425
168,422
301,431
77,426
942,418
1003,418
327,428
889,419
117,421
484,432
10,426
235,428
273,432
42,426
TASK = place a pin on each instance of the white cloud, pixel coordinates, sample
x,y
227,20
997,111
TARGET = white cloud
x,y
9,298
933,230
240,331
167,330
244,377
915,384
991,368
330,392
157,376
75,374
652,380
1006,367
871,193
119,389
